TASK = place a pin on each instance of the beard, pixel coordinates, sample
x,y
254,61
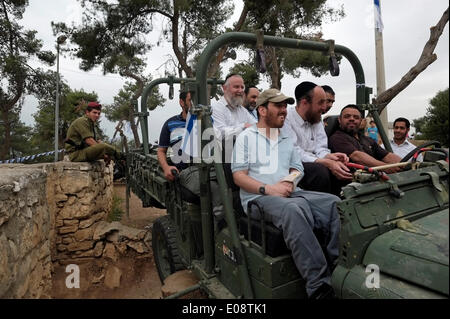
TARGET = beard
x,y
274,121
312,117
351,131
235,101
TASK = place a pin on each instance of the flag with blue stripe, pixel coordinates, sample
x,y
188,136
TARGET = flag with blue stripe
x,y
191,142
378,20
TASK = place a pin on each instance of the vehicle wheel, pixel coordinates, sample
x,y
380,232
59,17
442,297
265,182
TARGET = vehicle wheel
x,y
165,250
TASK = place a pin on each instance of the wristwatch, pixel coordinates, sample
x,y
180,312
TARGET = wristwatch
x,y
262,189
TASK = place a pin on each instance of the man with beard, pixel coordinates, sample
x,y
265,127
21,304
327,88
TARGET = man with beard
x,y
251,94
330,97
324,171
400,144
263,160
359,148
229,116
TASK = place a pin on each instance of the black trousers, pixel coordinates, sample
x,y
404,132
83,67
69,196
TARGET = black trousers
x,y
320,179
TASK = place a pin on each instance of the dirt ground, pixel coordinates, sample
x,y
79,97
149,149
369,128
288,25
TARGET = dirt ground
x,y
139,275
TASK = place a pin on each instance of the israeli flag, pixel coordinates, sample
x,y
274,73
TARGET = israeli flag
x,y
378,21
190,143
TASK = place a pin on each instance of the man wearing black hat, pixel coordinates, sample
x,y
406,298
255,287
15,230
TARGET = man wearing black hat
x,y
267,169
324,171
81,143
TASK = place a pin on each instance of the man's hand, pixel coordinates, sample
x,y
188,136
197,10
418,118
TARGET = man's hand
x,y
341,157
392,170
281,189
168,173
340,170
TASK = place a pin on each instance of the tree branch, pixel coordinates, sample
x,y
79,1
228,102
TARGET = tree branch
x,y
428,56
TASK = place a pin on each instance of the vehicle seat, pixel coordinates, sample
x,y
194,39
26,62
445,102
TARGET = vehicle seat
x,y
275,244
331,124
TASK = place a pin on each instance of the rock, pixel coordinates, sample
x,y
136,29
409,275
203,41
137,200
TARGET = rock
x,y
89,222
139,247
84,234
110,252
84,245
112,277
121,248
98,249
68,229
70,222
180,281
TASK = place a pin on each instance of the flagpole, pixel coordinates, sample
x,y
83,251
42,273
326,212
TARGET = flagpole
x,y
379,56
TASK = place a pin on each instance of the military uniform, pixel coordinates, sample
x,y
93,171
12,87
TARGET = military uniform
x,y
78,150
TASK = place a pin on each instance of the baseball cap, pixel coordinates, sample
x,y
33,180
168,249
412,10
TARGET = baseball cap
x,y
273,95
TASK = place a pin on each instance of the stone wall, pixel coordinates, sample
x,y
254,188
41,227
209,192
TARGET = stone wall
x,y
48,213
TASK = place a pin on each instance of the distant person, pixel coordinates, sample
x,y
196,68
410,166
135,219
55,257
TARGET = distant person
x,y
82,143
372,131
400,144
359,148
251,94
330,97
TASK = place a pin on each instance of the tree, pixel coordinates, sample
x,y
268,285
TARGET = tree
x,y
427,57
435,123
21,134
122,108
72,106
18,78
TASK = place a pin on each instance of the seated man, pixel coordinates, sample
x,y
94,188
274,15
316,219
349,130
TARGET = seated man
x,y
172,134
251,94
262,158
324,171
229,116
359,148
330,97
400,144
81,143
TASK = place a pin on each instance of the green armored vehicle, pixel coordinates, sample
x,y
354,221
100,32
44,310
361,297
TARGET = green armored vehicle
x,y
394,239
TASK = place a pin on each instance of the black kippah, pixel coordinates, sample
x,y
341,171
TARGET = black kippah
x,y
303,88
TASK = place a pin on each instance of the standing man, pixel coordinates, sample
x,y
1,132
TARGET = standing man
x,y
400,144
229,116
251,94
82,144
359,148
324,171
330,97
262,159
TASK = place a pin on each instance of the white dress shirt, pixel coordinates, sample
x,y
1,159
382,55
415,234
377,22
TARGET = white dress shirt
x,y
403,149
228,120
310,140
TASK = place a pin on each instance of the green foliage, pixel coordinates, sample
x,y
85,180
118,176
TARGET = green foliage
x,y
116,210
18,78
72,105
248,73
20,137
434,125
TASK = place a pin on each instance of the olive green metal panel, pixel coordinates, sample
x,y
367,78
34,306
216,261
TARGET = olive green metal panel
x,y
419,254
353,286
270,277
369,210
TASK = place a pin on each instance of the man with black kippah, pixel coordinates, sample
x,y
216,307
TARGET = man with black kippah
x,y
324,171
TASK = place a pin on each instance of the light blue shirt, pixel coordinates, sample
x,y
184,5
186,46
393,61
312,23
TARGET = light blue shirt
x,y
267,161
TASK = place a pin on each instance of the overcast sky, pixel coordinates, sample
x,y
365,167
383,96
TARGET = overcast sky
x,y
406,30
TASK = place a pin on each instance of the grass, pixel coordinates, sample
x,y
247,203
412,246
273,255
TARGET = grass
x,y
116,211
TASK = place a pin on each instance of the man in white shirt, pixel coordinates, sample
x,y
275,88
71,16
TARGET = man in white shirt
x,y
324,171
229,116
400,144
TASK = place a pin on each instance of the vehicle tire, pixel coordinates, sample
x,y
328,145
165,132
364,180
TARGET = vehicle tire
x,y
165,250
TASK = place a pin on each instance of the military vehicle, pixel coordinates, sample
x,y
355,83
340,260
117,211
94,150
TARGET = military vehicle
x,y
394,238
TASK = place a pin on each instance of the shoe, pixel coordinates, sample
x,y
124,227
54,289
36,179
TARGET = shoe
x,y
323,292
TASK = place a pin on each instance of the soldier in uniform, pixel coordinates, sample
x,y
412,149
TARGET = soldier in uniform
x,y
82,144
